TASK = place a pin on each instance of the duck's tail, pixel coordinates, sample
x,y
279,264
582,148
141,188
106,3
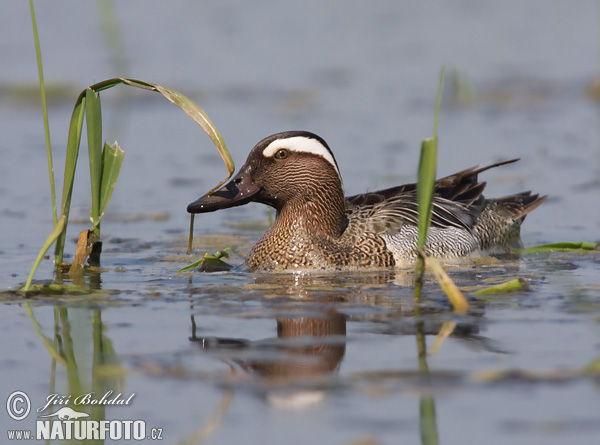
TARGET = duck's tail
x,y
498,226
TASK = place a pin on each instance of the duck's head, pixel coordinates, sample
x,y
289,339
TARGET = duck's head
x,y
294,166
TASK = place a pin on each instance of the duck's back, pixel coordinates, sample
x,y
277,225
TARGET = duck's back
x,y
463,221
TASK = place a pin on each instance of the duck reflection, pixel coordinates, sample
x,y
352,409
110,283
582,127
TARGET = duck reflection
x,y
376,298
306,346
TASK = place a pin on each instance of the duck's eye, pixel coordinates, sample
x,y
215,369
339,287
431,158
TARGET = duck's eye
x,y
282,153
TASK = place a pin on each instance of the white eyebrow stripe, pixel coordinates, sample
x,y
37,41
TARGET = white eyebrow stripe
x,y
301,144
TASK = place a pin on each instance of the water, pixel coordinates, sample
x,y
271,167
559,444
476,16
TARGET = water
x,y
201,352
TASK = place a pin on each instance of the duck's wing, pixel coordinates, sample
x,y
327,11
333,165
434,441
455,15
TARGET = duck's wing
x,y
457,202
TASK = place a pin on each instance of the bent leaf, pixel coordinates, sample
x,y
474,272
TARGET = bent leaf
x,y
194,111
75,130
456,297
56,232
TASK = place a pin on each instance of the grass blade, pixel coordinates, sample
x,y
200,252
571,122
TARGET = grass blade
x,y
72,155
425,192
192,109
89,101
199,115
93,114
425,187
75,129
427,172
44,111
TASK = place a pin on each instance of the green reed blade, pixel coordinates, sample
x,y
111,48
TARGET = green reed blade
x,y
192,109
74,140
112,158
425,187
44,111
93,115
199,115
427,171
72,155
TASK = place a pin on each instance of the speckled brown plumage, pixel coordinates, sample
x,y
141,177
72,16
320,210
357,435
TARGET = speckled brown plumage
x,y
318,228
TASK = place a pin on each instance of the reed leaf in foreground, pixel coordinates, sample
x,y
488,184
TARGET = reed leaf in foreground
x,y
73,141
425,187
103,168
93,116
425,191
426,173
188,106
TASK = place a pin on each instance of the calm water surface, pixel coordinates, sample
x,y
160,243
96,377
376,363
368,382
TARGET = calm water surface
x,y
235,357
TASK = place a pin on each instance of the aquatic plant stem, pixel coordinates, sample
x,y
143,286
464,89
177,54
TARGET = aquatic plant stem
x,y
191,237
58,229
44,112
425,189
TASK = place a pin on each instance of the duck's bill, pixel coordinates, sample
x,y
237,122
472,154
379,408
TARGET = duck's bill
x,y
237,192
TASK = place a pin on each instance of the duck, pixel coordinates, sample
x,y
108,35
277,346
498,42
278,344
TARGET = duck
x,y
318,228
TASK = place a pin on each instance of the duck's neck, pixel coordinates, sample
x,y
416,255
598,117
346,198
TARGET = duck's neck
x,y
319,214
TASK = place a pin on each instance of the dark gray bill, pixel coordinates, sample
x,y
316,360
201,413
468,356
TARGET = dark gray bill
x,y
237,192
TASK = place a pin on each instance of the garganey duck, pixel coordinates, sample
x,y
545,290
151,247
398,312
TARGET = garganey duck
x,y
316,227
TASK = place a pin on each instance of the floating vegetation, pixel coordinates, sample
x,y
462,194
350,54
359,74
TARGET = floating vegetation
x,y
561,247
518,284
210,262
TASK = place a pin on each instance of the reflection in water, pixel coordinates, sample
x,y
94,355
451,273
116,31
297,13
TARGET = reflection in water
x,y
307,348
78,369
427,413
291,370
